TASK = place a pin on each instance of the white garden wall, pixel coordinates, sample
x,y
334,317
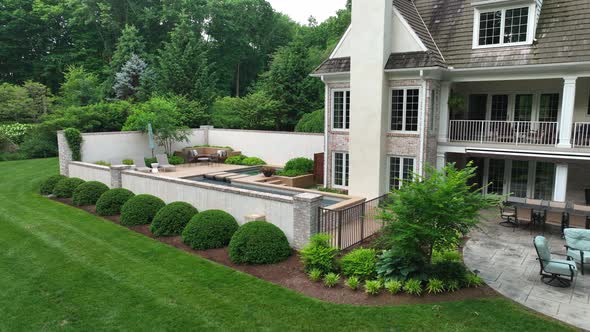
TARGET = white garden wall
x,y
237,202
275,148
90,172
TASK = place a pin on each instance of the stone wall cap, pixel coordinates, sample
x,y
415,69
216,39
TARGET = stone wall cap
x,y
308,197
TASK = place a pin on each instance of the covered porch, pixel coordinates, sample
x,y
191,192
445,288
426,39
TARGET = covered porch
x,y
552,112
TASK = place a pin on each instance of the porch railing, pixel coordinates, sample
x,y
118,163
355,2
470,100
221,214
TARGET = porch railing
x,y
503,132
581,137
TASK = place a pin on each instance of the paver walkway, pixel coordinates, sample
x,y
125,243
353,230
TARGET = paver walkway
x,y
506,260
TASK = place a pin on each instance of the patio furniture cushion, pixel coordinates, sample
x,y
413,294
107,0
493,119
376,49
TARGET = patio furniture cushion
x,y
560,266
577,238
140,165
164,163
575,254
542,248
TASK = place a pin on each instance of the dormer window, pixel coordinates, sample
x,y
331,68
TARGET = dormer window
x,y
503,26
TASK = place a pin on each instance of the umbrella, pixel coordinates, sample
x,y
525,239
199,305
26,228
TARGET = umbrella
x,y
151,142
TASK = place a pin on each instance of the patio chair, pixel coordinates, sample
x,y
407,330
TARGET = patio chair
x,y
140,165
577,243
164,164
508,215
560,270
524,217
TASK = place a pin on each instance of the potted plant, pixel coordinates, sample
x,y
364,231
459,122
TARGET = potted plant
x,y
268,171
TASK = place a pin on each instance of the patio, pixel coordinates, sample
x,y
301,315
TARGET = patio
x,y
506,260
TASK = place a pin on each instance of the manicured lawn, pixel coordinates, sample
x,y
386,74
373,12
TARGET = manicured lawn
x,y
61,268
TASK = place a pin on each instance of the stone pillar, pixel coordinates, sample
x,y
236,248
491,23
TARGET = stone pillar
x,y
560,190
443,126
305,217
206,133
116,175
65,154
566,121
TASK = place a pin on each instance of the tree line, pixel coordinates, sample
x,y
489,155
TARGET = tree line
x,y
230,63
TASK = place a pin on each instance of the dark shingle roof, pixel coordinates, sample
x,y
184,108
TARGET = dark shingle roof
x,y
414,60
336,65
563,34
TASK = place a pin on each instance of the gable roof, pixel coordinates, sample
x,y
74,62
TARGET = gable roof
x,y
563,35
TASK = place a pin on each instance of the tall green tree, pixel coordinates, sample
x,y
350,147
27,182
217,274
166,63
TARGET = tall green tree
x,y
130,43
80,88
183,65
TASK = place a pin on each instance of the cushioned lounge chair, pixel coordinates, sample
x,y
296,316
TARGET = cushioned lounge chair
x,y
164,164
577,243
553,270
140,165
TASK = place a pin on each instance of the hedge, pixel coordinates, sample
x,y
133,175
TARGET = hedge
x,y
88,193
111,202
259,242
172,219
48,185
140,210
209,230
65,187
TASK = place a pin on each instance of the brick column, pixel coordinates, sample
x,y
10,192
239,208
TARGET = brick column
x,y
116,178
65,154
305,218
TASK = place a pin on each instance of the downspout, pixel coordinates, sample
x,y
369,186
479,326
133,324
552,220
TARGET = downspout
x,y
326,101
422,125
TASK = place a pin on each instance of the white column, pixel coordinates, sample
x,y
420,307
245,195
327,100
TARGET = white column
x,y
441,160
566,121
560,191
443,127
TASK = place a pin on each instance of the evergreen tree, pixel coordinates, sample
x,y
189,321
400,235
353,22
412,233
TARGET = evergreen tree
x,y
130,43
129,79
183,65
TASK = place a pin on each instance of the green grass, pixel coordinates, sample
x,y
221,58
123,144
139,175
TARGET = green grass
x,y
64,269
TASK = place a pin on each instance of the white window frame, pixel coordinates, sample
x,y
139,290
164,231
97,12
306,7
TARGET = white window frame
x,y
420,105
344,114
346,156
503,9
402,163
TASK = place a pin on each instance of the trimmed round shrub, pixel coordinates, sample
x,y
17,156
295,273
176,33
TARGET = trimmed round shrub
x,y
140,210
65,187
259,242
253,161
360,263
172,219
88,193
48,185
209,230
111,202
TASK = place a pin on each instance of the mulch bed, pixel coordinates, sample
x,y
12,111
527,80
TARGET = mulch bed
x,y
290,274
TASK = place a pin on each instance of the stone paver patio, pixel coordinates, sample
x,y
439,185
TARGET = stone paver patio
x,y
506,260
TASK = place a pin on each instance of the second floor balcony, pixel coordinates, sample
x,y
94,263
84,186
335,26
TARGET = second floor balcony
x,y
516,132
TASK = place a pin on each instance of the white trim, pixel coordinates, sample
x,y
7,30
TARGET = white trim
x,y
401,169
409,28
326,130
340,42
422,124
530,25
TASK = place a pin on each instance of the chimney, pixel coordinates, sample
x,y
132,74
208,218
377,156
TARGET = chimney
x,y
371,46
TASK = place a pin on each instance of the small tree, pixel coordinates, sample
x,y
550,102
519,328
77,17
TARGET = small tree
x,y
435,211
165,119
130,77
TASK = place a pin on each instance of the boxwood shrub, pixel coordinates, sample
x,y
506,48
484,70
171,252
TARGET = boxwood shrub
x,y
172,219
209,230
88,193
297,167
259,242
65,187
110,203
140,210
48,185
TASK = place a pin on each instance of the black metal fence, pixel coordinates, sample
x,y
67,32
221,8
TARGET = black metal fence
x,y
351,225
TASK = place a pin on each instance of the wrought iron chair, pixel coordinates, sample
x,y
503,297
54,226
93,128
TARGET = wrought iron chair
x,y
552,270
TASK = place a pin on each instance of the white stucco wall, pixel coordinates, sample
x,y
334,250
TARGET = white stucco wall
x,y
275,148
403,38
237,202
90,172
123,145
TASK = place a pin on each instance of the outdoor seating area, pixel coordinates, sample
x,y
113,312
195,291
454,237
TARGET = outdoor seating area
x,y
539,215
543,273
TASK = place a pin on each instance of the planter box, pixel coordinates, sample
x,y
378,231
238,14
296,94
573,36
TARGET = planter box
x,y
303,181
